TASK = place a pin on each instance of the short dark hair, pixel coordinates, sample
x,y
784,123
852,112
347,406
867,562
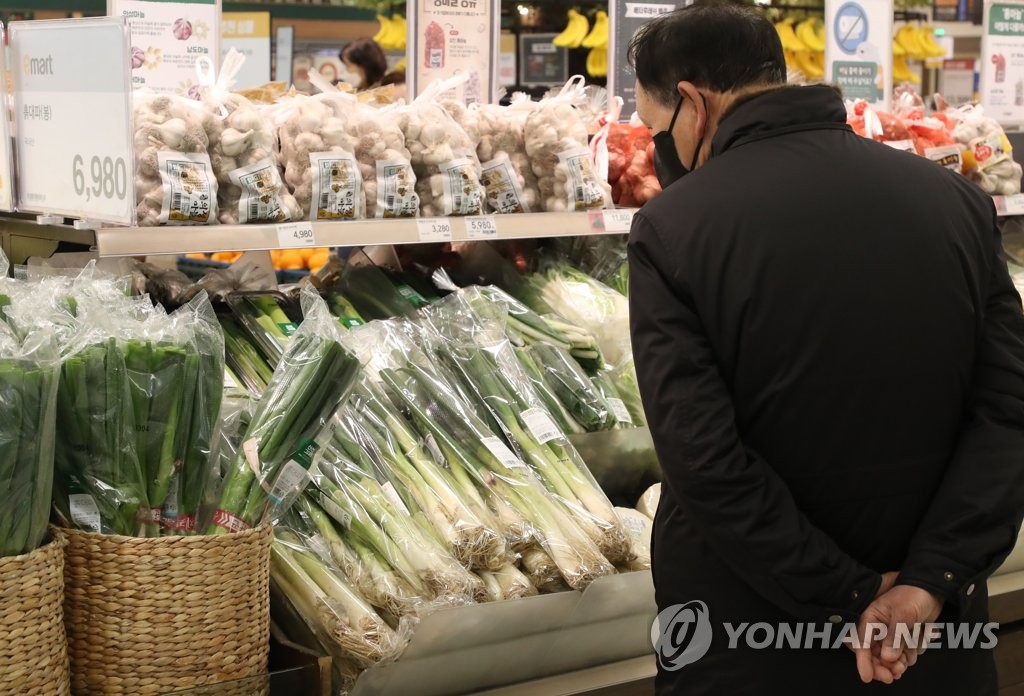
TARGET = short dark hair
x,y
368,55
715,44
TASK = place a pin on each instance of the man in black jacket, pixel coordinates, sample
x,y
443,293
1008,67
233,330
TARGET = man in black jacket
x,y
831,357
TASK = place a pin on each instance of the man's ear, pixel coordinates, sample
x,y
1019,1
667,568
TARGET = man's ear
x,y
692,95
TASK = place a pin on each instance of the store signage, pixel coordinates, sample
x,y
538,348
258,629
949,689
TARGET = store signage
x,y
507,60
858,55
453,37
958,81
74,118
283,54
542,63
6,179
249,34
1002,61
625,19
167,38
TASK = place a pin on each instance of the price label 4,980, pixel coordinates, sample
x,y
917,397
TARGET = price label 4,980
x,y
296,234
74,123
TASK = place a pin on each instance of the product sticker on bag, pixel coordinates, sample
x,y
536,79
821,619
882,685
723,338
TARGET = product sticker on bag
x,y
540,425
501,186
637,526
991,151
502,453
948,156
189,188
619,410
260,184
84,513
337,187
583,187
294,474
169,510
463,195
396,190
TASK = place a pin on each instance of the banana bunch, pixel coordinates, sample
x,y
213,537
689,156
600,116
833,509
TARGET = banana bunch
x,y
901,72
804,46
577,29
597,42
391,35
918,42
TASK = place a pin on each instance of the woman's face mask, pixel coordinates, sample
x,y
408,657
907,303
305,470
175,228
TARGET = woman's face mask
x,y
348,77
667,165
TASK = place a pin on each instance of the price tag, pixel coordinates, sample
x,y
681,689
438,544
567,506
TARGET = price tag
x,y
434,229
1010,205
618,220
84,512
74,118
620,411
540,425
481,227
292,479
502,453
296,234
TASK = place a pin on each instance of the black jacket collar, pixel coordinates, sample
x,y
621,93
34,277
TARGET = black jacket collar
x,y
780,111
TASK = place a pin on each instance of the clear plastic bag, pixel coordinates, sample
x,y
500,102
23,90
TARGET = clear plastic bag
x,y
174,183
474,345
986,151
508,179
574,389
314,376
244,155
556,142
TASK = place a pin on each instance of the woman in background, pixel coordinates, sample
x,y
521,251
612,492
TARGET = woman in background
x,y
366,63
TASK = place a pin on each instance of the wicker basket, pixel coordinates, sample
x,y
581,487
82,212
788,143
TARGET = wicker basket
x,y
33,648
152,616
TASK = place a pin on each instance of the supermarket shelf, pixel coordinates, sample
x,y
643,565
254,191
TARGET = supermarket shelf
x,y
626,678
138,241
1009,205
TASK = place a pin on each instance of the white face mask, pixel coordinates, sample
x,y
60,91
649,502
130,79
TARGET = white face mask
x,y
348,77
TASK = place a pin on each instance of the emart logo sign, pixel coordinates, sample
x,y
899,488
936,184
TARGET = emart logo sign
x,y
682,633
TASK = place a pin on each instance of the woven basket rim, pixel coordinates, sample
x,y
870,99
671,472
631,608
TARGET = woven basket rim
x,y
68,532
51,544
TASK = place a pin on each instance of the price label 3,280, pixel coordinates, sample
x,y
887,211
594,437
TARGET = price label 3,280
x,y
434,229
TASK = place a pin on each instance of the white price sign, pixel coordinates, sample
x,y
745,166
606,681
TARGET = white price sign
x,y
296,234
434,229
618,220
74,118
481,227
6,178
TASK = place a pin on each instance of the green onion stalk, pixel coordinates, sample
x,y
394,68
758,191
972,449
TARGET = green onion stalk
x,y
28,398
266,322
465,526
625,381
542,571
496,374
99,483
243,358
314,377
361,503
435,410
563,419
573,387
335,612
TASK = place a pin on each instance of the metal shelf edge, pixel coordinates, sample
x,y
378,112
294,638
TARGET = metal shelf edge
x,y
154,241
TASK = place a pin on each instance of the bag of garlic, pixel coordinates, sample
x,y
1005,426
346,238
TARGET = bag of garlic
x,y
508,179
244,156
443,156
556,143
987,153
174,182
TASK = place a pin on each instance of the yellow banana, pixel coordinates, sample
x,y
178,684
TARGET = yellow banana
x,y
788,36
897,49
819,31
385,24
598,36
575,31
808,66
930,45
909,38
399,29
806,33
901,72
594,62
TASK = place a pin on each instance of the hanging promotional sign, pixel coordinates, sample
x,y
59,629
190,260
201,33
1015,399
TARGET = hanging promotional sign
x,y
74,118
451,37
6,178
249,34
858,49
1002,61
167,38
542,63
625,19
